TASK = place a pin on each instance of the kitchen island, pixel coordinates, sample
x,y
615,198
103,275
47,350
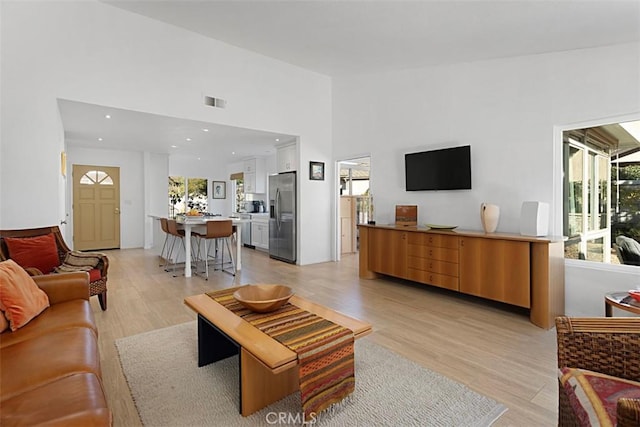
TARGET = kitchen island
x,y
198,223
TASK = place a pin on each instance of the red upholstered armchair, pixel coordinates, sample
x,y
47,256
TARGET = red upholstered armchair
x,y
43,251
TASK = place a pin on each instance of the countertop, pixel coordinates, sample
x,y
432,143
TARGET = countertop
x,y
469,233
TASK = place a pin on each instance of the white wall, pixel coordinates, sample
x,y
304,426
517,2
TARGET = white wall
x,y
91,52
506,110
590,281
156,171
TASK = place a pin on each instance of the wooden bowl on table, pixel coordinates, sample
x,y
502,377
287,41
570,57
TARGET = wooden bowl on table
x,y
263,298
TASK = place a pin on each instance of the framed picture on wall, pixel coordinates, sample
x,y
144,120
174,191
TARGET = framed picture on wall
x,y
316,171
219,189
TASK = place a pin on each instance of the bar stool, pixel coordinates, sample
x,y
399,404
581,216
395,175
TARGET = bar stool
x,y
165,229
217,231
172,228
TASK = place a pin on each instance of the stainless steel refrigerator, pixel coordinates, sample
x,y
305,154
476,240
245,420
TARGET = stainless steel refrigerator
x,y
282,216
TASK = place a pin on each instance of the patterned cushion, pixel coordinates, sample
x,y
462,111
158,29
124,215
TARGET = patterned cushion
x,y
593,395
81,261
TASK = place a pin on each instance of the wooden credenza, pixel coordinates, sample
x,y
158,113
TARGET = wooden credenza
x,y
518,270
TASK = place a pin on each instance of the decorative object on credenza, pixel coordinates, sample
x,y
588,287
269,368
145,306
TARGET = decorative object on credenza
x,y
441,227
489,215
534,219
316,171
219,189
406,215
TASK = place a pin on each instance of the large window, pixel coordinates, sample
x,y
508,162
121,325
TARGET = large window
x,y
186,194
601,191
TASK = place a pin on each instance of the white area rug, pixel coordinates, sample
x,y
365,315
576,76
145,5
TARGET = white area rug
x,y
170,390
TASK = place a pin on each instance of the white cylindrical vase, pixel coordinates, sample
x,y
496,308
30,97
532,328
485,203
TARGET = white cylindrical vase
x,y
489,215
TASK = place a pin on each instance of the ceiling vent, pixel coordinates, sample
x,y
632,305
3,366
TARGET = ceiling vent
x,y
215,102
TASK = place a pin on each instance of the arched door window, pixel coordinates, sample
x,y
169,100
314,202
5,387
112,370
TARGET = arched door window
x,y
93,177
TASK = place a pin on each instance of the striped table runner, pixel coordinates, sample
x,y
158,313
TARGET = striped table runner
x,y
325,350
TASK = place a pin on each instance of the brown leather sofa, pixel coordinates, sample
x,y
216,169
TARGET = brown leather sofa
x,y
50,368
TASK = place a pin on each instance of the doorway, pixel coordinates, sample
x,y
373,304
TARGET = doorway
x,y
96,207
355,201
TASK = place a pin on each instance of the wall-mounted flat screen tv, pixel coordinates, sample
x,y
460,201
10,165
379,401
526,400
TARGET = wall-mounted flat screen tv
x,y
444,169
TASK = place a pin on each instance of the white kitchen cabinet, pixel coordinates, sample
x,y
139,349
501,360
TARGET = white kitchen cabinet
x,y
254,176
286,158
249,182
249,166
260,234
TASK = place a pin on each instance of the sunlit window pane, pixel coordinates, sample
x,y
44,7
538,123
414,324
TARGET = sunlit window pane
x,y
86,179
591,173
176,195
574,198
197,194
603,185
595,250
96,177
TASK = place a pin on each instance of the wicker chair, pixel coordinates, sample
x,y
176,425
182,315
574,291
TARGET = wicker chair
x,y
608,345
97,287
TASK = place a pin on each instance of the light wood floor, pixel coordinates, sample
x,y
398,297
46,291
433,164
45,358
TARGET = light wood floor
x,y
487,347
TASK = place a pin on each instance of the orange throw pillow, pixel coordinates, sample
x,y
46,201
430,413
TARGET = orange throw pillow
x,y
20,298
40,252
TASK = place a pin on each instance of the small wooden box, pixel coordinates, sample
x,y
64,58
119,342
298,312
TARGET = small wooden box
x,y
406,215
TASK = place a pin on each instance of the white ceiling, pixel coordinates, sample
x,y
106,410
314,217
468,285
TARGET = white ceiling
x,y
346,37
86,125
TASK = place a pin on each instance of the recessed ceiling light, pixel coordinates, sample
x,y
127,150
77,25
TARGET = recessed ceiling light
x,y
99,139
233,153
198,158
174,146
188,139
107,116
277,139
205,130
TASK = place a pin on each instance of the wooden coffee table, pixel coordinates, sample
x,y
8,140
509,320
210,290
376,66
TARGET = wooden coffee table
x,y
268,369
620,300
